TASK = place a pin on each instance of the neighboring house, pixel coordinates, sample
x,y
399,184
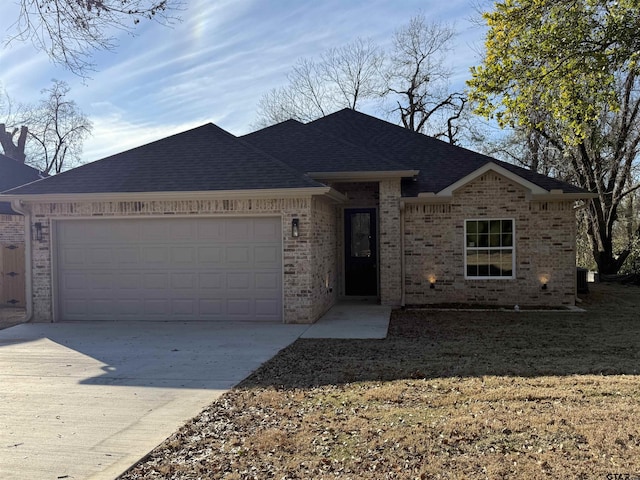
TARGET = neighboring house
x,y
280,224
12,174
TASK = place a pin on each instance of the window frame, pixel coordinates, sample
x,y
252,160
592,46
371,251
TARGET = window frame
x,y
513,248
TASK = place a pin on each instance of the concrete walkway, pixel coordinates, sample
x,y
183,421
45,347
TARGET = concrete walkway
x,y
352,320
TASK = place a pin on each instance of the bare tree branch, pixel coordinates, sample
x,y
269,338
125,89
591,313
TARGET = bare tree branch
x,y
71,31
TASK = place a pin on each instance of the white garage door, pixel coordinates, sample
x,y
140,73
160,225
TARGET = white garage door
x,y
169,269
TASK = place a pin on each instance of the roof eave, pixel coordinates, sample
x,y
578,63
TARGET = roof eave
x,y
559,196
181,195
362,176
553,196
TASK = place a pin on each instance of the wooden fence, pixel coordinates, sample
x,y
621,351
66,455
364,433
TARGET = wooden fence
x,y
12,276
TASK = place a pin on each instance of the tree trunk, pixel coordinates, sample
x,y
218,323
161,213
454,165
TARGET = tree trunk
x,y
601,237
15,151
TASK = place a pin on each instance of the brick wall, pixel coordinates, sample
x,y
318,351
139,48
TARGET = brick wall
x,y
324,263
389,251
11,229
301,282
544,247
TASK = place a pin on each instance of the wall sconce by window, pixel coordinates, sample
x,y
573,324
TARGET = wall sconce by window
x,y
295,227
544,279
38,233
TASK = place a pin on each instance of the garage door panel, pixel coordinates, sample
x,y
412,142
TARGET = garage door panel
x,y
74,281
183,281
155,255
266,230
126,256
184,255
238,307
239,255
155,281
238,230
184,230
151,231
267,256
211,307
184,307
128,283
266,308
266,281
210,255
170,269
128,307
211,231
71,256
211,281
239,281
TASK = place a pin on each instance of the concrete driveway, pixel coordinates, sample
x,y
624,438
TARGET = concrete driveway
x,y
87,400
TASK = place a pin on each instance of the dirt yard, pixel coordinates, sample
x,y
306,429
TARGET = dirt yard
x,y
446,395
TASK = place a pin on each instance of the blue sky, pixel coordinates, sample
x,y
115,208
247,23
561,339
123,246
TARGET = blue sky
x,y
216,64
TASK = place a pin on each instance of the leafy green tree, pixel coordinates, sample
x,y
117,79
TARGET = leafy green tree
x,y
567,71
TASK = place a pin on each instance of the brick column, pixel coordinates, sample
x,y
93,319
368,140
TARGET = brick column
x,y
389,254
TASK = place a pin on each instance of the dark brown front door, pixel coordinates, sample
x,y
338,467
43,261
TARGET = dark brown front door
x,y
361,253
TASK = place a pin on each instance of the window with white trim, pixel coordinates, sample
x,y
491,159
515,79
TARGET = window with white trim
x,y
489,248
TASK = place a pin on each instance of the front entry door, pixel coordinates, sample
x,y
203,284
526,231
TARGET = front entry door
x,y
361,253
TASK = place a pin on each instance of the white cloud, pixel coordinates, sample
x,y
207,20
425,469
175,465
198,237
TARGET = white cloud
x,y
216,64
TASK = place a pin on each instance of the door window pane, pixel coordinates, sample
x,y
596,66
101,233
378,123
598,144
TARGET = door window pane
x,y
360,235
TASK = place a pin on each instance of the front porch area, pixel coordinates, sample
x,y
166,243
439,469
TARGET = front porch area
x,y
352,319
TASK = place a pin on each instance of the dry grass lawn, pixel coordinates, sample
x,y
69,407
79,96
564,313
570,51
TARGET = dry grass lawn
x,y
446,395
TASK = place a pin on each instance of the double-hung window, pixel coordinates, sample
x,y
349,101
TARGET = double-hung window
x,y
489,249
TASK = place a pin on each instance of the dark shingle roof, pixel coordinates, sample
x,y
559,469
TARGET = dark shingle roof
x,y
308,149
13,174
205,158
441,164
208,158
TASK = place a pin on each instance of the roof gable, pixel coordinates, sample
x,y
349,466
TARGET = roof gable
x,y
491,166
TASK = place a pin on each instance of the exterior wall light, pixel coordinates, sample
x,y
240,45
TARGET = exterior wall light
x,y
544,279
38,233
432,281
295,227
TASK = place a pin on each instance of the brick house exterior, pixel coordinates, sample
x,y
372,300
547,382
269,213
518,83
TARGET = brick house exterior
x,y
11,229
432,211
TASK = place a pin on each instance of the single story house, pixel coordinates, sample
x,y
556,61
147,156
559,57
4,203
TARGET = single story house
x,y
280,224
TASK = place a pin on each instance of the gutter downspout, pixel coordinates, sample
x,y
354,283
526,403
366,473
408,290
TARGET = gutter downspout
x,y
402,265
17,206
